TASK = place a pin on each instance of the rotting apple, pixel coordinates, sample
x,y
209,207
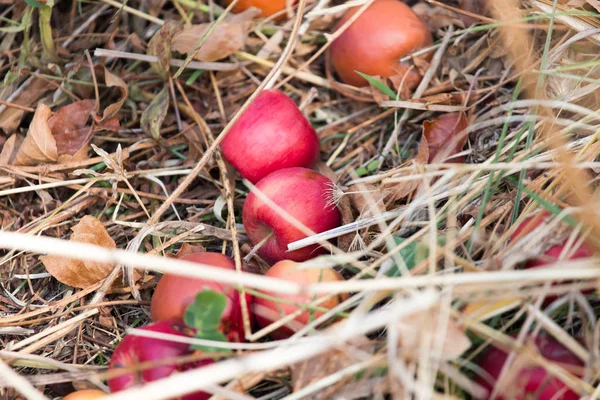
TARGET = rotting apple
x,y
530,382
268,7
174,293
87,394
305,195
385,32
275,306
162,354
272,134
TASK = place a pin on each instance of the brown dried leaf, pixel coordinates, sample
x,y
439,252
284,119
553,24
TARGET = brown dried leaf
x,y
69,126
227,37
187,249
325,170
77,273
362,198
344,242
160,46
39,145
401,190
10,149
10,118
445,136
112,80
421,329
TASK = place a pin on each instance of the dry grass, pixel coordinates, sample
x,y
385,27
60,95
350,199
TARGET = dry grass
x,y
527,77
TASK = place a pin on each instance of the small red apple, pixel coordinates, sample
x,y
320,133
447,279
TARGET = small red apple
x,y
551,255
134,350
174,293
271,135
268,311
88,394
304,194
383,34
531,382
268,7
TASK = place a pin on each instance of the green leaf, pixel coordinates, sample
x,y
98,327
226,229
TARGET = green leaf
x,y
153,116
383,88
206,311
216,336
413,254
34,3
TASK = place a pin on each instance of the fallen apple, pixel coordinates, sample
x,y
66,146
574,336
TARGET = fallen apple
x,y
385,32
530,382
161,355
87,394
174,293
276,306
306,196
268,7
272,134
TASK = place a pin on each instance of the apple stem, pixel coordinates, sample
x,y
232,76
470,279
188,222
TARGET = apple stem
x,y
257,247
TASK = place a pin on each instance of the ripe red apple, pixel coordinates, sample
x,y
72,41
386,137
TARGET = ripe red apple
x,y
531,382
174,293
134,350
268,7
304,194
271,135
88,394
551,255
383,34
267,311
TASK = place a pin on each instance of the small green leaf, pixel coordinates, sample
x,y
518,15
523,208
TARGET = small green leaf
x,y
361,171
34,3
373,165
153,116
383,88
216,336
413,254
206,311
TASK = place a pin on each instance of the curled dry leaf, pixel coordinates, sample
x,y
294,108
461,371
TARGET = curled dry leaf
x,y
39,146
77,273
10,149
70,128
10,118
404,189
227,37
154,115
445,136
111,110
160,46
422,329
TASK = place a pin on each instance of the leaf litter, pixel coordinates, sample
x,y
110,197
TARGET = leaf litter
x,y
441,205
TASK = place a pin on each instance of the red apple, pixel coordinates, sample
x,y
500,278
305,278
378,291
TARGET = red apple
x,y
268,7
551,255
174,293
304,194
134,350
268,311
531,382
271,135
383,34
88,394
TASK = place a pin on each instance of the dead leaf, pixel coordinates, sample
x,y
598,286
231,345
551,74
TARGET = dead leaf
x,y
484,310
77,273
325,170
10,149
404,189
227,37
344,242
422,329
70,128
39,146
362,198
160,46
187,249
112,80
154,115
10,118
445,136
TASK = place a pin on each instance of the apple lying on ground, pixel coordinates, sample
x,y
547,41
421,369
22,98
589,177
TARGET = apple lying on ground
x,y
88,394
553,254
302,193
271,135
532,382
174,293
268,7
385,32
277,305
134,350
